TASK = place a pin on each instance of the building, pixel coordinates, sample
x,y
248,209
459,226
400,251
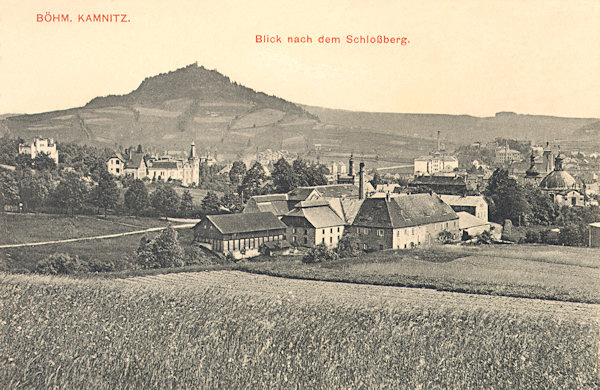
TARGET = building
x,y
40,145
242,235
281,204
455,184
563,187
594,235
434,163
505,155
402,221
314,222
116,164
168,168
135,165
474,205
470,226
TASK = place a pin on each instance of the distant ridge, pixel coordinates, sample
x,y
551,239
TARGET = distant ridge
x,y
167,111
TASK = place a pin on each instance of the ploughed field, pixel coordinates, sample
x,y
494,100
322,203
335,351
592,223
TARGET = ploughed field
x,y
230,329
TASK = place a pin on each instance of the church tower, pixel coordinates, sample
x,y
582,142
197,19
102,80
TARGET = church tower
x,y
194,162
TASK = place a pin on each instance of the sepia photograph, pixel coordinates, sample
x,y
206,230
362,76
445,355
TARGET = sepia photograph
x,y
275,194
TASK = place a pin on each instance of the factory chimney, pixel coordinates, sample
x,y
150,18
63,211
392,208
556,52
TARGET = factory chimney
x,y
351,166
361,180
438,141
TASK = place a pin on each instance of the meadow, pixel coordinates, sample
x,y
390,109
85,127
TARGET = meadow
x,y
24,228
531,271
235,330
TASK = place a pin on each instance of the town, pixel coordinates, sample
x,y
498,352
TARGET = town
x,y
278,204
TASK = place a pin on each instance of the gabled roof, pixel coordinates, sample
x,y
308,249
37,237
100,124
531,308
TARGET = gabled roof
x,y
275,203
134,161
466,220
117,155
318,214
325,191
457,200
242,223
403,211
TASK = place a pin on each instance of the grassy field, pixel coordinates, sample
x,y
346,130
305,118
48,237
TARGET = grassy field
x,y
546,272
23,228
235,330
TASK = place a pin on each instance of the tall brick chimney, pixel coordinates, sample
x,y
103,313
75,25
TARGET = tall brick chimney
x,y
351,166
361,180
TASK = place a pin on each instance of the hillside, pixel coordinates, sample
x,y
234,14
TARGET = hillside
x,y
466,128
168,110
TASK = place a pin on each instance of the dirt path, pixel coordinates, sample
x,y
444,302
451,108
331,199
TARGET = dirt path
x,y
155,229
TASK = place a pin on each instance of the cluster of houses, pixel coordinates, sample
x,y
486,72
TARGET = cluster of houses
x,y
166,168
309,216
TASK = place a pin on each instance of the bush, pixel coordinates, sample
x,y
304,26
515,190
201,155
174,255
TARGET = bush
x,y
547,236
59,264
446,237
532,237
485,237
349,246
319,254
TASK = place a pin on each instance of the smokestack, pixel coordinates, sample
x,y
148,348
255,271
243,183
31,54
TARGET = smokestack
x,y
361,180
438,141
351,166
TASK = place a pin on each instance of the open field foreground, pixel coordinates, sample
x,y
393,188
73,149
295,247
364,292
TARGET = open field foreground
x,y
229,329
532,271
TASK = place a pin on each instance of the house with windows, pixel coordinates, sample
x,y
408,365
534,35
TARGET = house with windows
x,y
116,165
402,221
40,145
242,235
475,205
314,222
135,165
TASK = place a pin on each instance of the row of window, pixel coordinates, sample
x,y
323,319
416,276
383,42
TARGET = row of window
x,y
381,232
298,230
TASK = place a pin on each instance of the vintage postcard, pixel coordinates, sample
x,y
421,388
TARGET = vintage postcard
x,y
282,194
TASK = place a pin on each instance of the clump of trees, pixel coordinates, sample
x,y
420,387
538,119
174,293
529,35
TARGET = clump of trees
x,y
164,251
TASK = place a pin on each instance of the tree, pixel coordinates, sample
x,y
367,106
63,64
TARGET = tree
x,y
543,209
162,252
43,162
9,189
34,190
136,197
106,192
24,161
252,181
211,204
165,200
232,202
284,177
71,192
507,199
237,172
309,174
349,246
187,203
377,180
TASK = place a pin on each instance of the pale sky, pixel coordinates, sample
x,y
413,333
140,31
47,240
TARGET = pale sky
x,y
464,57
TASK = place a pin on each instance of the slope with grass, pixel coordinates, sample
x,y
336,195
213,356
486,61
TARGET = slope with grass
x,y
234,330
546,272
